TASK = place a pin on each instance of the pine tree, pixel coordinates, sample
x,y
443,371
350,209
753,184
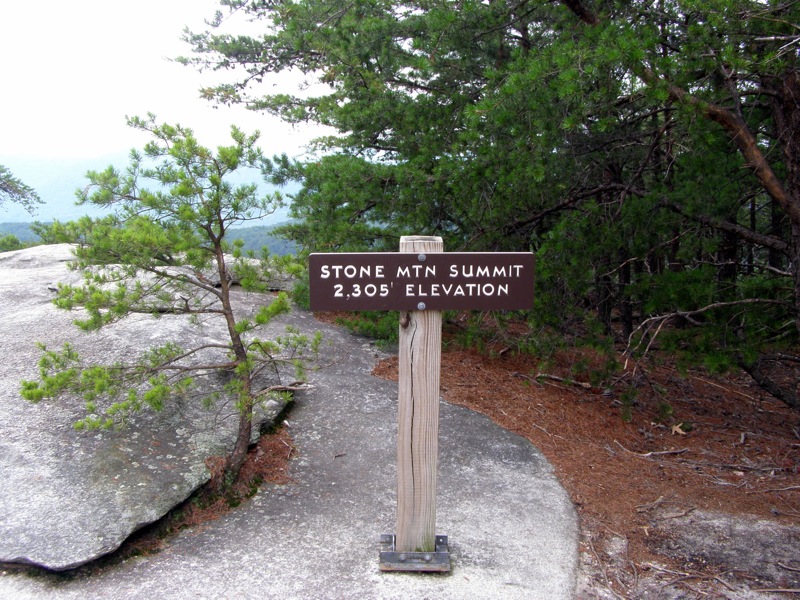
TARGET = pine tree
x,y
163,251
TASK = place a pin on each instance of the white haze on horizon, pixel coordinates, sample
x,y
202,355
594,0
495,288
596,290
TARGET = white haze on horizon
x,y
73,71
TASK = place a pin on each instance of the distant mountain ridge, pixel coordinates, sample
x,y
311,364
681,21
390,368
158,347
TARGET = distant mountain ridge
x,y
56,181
253,237
21,230
257,236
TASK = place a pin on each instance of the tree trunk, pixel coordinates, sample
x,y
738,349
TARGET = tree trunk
x,y
728,259
777,259
786,114
794,259
625,306
787,395
605,300
238,455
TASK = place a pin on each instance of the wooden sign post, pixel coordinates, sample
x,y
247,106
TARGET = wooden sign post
x,y
419,362
420,281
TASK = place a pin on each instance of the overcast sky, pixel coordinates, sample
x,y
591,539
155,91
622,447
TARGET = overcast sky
x,y
70,71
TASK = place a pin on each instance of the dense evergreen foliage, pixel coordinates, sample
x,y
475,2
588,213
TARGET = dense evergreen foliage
x,y
649,152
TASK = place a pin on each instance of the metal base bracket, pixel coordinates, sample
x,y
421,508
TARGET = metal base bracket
x,y
437,561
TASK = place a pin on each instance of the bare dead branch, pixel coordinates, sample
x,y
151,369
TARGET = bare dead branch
x,y
583,384
651,454
777,490
646,325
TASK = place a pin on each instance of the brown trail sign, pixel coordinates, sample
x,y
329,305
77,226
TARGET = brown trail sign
x,y
420,281
404,280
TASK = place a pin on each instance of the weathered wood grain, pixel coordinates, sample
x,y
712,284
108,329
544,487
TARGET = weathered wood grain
x,y
418,417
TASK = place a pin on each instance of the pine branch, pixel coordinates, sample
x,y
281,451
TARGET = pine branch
x,y
767,241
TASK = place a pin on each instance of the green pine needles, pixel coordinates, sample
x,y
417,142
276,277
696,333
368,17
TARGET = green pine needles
x,y
163,251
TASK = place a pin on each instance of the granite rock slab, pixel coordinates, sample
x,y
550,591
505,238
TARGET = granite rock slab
x,y
69,497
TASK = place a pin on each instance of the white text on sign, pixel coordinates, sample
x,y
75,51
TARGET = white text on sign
x,y
408,281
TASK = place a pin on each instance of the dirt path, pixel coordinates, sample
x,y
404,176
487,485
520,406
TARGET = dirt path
x,y
689,490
